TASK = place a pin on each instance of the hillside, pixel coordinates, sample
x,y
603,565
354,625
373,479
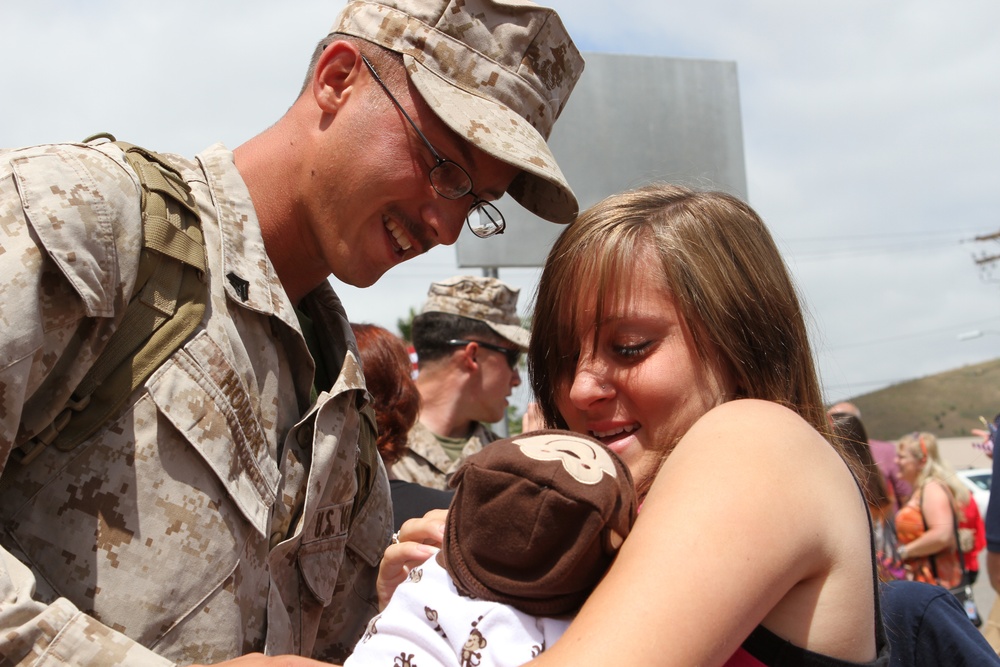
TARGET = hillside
x,y
947,404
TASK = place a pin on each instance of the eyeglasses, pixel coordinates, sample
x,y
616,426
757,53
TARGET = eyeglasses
x,y
512,354
450,180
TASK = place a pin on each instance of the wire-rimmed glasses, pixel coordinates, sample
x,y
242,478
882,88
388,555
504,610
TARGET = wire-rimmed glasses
x,y
450,180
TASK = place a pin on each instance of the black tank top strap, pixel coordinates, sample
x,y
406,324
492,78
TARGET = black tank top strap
x,y
774,651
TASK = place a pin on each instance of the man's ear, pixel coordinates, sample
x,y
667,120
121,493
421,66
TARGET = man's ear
x,y
336,75
469,357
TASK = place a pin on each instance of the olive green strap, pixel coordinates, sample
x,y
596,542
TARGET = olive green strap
x,y
167,305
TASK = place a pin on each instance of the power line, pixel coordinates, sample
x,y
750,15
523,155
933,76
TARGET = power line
x,y
867,245
975,233
918,334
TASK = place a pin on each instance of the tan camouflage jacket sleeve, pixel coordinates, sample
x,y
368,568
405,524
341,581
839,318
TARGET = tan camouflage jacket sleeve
x,y
217,514
52,278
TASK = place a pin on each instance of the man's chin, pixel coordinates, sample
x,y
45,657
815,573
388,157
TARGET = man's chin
x,y
366,282
372,274
497,418
360,279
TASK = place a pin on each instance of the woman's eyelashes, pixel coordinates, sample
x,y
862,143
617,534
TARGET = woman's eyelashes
x,y
632,350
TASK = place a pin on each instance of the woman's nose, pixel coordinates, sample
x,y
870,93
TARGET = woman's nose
x,y
589,387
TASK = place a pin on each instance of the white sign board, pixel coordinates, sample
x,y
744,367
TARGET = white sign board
x,y
631,120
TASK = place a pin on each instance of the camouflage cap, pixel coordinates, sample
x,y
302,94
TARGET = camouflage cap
x,y
498,73
488,300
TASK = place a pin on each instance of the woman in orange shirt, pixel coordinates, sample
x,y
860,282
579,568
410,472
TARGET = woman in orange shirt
x,y
926,524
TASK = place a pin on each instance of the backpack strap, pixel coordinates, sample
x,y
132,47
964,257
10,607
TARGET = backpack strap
x,y
167,305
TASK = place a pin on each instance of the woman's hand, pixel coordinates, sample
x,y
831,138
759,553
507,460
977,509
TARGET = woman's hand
x,y
533,419
987,444
416,541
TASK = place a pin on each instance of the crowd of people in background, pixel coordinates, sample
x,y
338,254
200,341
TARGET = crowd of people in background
x,y
931,532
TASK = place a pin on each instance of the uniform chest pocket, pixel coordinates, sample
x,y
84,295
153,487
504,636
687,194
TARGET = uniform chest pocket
x,y
204,398
339,555
321,554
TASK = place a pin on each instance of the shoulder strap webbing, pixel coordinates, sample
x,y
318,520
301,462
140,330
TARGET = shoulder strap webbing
x,y
167,305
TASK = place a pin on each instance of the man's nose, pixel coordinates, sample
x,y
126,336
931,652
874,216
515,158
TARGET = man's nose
x,y
445,217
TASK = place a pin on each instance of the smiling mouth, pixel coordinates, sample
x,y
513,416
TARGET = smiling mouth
x,y
600,435
400,240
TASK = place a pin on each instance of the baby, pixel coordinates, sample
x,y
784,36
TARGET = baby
x,y
535,523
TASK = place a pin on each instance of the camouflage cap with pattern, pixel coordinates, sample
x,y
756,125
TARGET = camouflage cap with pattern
x,y
497,73
488,300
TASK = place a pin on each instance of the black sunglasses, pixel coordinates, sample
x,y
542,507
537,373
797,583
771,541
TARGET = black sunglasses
x,y
512,353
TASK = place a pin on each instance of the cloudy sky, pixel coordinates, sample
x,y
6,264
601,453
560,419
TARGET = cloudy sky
x,y
871,134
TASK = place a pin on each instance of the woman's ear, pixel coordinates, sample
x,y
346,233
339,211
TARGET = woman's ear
x,y
336,75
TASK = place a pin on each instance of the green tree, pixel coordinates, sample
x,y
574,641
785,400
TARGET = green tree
x,y
405,326
514,420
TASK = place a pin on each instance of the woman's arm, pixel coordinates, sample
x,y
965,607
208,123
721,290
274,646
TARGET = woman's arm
x,y
753,519
937,509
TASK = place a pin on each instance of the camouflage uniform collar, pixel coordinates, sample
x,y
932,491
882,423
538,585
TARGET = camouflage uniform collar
x,y
250,278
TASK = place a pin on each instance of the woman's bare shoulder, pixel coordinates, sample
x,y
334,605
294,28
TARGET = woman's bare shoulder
x,y
749,445
762,426
754,408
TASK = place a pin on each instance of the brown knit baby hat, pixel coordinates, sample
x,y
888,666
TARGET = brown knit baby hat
x,y
537,520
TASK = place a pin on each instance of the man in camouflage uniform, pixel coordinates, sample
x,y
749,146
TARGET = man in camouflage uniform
x,y
235,503
468,337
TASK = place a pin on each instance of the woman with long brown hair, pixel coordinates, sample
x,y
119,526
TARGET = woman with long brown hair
x,y
666,326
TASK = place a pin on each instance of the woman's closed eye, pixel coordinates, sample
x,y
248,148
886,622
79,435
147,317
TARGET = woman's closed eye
x,y
632,350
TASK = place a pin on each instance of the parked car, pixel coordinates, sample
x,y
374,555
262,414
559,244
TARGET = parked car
x,y
979,481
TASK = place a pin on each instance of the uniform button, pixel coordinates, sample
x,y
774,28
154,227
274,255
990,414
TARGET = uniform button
x,y
276,538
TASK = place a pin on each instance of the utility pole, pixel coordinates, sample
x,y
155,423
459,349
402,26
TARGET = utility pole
x,y
986,261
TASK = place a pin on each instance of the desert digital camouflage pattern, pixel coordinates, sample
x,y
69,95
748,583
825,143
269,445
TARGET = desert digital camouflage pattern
x,y
488,300
498,73
425,461
216,515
